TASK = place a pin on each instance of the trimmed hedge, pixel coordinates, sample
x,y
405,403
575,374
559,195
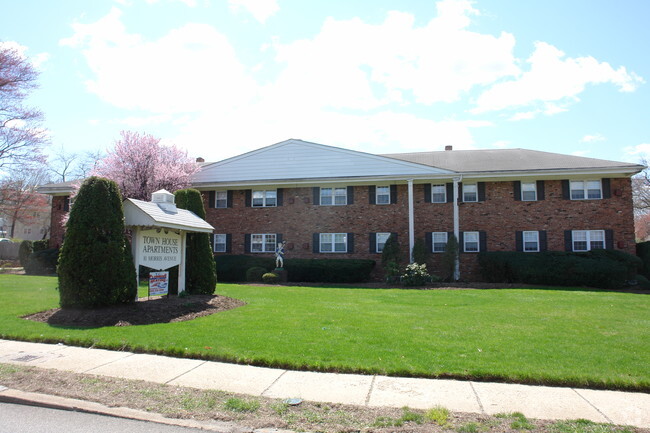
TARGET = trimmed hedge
x,y
42,262
232,268
24,252
607,269
643,252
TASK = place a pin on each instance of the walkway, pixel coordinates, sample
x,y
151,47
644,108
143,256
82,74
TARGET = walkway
x,y
479,397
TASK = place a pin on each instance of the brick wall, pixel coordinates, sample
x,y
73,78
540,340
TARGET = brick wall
x,y
499,216
57,225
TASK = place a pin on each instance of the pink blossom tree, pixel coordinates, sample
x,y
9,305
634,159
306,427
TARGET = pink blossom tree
x,y
140,165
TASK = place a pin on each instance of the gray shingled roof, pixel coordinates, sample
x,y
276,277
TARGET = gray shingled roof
x,y
181,218
492,160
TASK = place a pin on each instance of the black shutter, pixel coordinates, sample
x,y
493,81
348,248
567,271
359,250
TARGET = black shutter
x,y
279,194
212,199
249,195
566,192
517,190
428,240
350,195
568,240
543,243
229,243
212,241
519,241
450,192
461,242
427,193
393,194
540,190
461,196
609,239
229,198
372,194
481,191
66,204
607,187
482,241
247,243
315,241
316,195
372,242
350,243
278,238
394,236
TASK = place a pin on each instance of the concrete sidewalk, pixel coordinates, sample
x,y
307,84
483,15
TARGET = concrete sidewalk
x,y
479,397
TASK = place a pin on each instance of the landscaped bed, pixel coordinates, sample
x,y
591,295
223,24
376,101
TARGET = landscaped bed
x,y
576,337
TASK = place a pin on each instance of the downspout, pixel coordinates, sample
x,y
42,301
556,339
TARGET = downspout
x,y
457,180
411,220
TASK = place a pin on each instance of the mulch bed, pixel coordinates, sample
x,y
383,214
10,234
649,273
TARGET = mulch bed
x,y
142,312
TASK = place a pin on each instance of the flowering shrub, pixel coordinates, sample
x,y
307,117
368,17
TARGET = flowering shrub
x,y
416,275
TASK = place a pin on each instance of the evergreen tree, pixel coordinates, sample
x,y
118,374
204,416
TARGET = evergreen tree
x,y
95,265
448,264
200,269
420,252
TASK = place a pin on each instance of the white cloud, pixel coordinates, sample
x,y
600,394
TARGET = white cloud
x,y
580,152
524,115
501,144
37,59
591,138
261,10
552,78
191,68
637,152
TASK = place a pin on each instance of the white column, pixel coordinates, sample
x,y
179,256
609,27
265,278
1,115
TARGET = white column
x,y
181,266
135,248
411,221
457,226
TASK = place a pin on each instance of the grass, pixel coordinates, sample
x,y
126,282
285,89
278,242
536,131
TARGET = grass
x,y
439,415
235,404
575,337
585,426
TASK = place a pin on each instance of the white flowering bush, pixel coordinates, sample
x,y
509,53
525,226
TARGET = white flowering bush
x,y
416,275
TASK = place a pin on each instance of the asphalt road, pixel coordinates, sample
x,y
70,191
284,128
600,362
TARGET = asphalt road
x,y
29,419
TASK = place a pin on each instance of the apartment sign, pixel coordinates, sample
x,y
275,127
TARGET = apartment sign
x,y
159,249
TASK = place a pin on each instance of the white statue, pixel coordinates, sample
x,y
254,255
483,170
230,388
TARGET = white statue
x,y
279,255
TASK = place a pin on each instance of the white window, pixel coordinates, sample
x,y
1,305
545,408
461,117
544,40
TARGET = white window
x,y
263,243
528,191
220,243
470,242
381,241
265,198
439,241
531,242
439,193
333,242
221,199
333,196
586,240
383,195
470,192
586,190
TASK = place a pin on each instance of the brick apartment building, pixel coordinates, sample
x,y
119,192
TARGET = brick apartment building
x,y
329,202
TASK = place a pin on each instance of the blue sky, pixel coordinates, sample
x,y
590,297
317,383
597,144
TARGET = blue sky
x,y
220,78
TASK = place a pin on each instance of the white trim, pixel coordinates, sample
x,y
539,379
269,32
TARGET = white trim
x,y
265,242
411,220
478,242
585,189
588,241
265,197
523,241
216,198
225,243
522,191
377,235
467,185
444,192
332,243
377,194
433,242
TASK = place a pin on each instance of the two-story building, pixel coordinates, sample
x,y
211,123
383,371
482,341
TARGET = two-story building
x,y
329,202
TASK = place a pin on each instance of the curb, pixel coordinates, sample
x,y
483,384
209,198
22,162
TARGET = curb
x,y
62,403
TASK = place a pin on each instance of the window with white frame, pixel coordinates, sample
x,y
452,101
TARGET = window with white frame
x,y
265,198
470,192
263,243
382,195
586,240
333,242
333,196
221,199
439,241
439,193
586,190
528,191
531,241
220,243
471,242
380,241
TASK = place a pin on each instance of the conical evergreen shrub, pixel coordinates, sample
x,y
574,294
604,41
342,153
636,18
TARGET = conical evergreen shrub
x,y
200,269
95,264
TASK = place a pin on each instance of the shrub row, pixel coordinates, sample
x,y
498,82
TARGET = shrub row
x,y
607,269
232,268
42,262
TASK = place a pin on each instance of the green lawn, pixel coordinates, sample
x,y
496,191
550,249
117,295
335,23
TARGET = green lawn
x,y
561,337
